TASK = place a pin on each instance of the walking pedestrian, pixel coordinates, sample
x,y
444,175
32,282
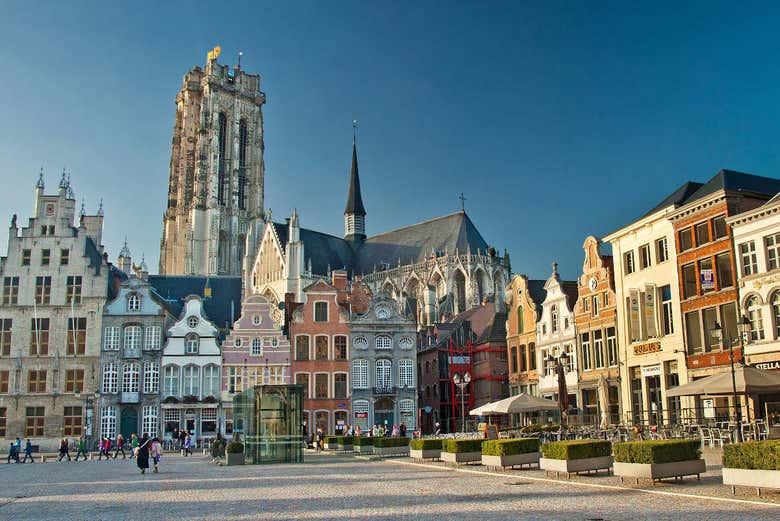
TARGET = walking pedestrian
x,y
142,459
103,448
12,454
396,431
156,452
182,437
28,450
64,449
133,446
402,429
120,446
81,448
188,445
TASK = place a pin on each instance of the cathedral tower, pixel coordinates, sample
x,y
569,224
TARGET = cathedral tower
x,y
215,196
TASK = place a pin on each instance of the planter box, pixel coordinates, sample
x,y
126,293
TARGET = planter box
x,y
751,478
659,470
345,448
425,454
461,457
569,466
391,451
330,446
529,458
363,449
234,459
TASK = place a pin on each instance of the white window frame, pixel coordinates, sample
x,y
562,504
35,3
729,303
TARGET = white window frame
x,y
360,373
363,407
383,342
111,335
110,378
150,424
747,256
406,412
629,266
661,250
190,380
383,373
172,375
210,380
108,421
152,338
151,377
772,245
406,373
132,338
191,344
134,303
257,347
131,377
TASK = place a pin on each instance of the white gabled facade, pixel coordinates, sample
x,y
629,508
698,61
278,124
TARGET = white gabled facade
x,y
556,334
191,374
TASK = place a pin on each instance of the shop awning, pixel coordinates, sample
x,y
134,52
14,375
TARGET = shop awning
x,y
749,381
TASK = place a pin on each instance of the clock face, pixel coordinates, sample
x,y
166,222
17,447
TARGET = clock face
x,y
593,283
382,312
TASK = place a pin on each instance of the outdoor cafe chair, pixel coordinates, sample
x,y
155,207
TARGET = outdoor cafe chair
x,y
706,436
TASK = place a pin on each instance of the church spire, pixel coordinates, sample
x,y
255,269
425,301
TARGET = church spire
x,y
354,212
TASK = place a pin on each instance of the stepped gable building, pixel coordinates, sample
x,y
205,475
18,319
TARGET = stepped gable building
x,y
319,331
434,270
134,332
56,280
705,264
524,299
595,318
215,196
256,352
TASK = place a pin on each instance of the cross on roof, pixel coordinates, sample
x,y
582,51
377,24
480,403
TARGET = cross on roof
x,y
462,202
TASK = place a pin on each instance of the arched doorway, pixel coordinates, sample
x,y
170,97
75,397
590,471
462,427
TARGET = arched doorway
x,y
383,412
129,422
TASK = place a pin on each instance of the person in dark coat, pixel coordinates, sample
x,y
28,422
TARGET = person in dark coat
x,y
142,459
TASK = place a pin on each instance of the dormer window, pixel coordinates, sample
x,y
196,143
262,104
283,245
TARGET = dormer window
x,y
191,344
134,302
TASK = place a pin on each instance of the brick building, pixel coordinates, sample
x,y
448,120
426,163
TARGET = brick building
x,y
706,266
319,331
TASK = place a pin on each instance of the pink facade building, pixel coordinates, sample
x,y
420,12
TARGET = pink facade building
x,y
255,353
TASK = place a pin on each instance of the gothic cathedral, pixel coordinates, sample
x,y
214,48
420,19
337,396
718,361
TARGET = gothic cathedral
x,y
215,196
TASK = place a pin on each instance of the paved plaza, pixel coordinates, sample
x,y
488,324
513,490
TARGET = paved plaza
x,y
332,487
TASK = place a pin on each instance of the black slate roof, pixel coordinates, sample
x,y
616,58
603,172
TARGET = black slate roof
x,y
538,293
410,243
222,308
416,242
678,197
731,180
321,249
354,198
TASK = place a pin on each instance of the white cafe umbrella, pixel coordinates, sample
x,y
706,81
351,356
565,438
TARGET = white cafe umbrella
x,y
516,404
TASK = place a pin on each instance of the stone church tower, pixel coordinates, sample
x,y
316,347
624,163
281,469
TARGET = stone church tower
x,y
215,197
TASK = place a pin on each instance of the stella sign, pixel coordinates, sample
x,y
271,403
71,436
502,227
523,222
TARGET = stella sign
x,y
647,348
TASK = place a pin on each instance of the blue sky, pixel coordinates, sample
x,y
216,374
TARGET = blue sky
x,y
557,120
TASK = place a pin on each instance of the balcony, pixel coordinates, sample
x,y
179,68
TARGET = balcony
x,y
131,353
384,391
129,397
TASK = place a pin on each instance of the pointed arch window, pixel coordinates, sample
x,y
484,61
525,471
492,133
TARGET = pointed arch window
x,y
242,164
222,187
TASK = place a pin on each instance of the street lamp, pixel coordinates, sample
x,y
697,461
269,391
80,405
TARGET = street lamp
x,y
462,382
558,364
743,327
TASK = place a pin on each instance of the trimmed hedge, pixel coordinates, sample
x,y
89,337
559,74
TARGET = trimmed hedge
x,y
753,455
577,449
462,445
510,447
431,444
401,441
235,447
657,451
344,440
362,441
330,440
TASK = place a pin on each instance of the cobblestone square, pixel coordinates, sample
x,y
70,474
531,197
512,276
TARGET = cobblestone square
x,y
329,487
